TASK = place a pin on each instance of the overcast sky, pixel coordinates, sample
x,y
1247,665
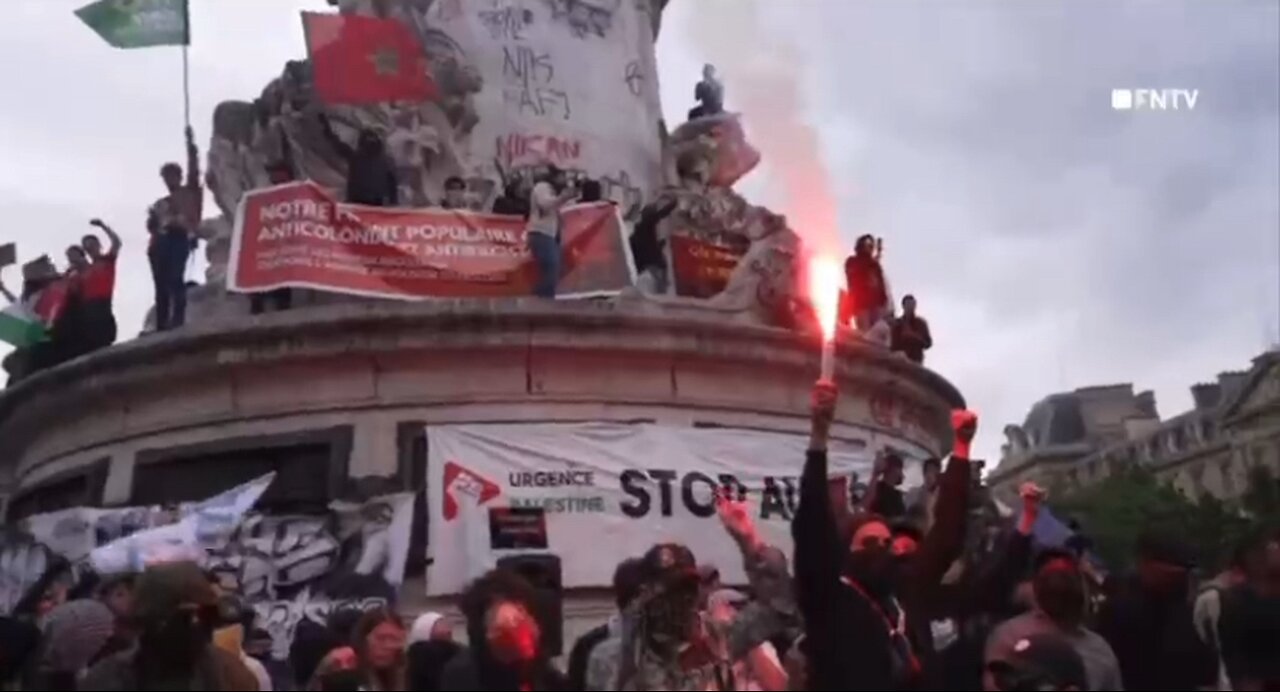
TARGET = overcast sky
x,y
1052,241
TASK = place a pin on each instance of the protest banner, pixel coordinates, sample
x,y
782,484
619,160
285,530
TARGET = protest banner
x,y
298,236
702,267
598,493
289,568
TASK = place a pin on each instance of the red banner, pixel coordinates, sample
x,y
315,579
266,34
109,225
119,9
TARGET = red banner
x,y
702,268
297,236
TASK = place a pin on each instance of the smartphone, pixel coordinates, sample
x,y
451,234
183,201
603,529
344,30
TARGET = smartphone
x,y
8,254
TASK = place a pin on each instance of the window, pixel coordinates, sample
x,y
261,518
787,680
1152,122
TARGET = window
x,y
80,488
310,468
412,447
1207,430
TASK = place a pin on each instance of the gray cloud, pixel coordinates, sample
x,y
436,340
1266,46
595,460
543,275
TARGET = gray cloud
x,y
1053,241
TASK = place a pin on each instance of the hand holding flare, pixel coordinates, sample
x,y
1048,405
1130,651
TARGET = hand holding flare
x,y
824,293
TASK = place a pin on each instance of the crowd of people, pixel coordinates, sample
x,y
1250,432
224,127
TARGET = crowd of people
x,y
77,303
880,594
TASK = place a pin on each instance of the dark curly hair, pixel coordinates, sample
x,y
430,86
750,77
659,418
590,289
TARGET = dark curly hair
x,y
497,585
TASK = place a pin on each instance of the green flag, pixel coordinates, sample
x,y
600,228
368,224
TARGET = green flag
x,y
138,23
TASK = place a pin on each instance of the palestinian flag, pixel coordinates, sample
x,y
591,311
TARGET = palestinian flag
x,y
21,326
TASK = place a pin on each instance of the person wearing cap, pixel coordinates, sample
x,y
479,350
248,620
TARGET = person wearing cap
x,y
626,587
656,629
176,611
1040,662
1060,610
1150,618
667,644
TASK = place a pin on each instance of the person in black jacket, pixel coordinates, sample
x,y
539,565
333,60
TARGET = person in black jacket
x,y
1150,619
627,582
858,635
371,174
506,652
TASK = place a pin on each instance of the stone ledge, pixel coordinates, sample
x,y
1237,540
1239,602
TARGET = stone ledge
x,y
623,325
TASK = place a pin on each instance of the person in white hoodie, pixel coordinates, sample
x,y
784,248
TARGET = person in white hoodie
x,y
626,587
430,627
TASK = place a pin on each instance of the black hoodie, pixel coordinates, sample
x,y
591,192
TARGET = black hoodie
x,y
837,615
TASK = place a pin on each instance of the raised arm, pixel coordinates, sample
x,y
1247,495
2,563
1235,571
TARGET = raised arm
x,y
991,589
193,161
945,541
344,150
8,295
112,237
774,609
872,496
393,186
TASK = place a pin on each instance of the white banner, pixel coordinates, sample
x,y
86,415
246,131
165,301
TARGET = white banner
x,y
605,492
203,523
568,82
289,567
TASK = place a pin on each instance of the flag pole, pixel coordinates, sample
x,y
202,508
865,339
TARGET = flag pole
x,y
186,63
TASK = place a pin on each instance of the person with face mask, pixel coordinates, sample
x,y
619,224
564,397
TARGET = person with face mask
x,y
506,651
1061,606
1150,619
176,611
856,589
670,639
371,173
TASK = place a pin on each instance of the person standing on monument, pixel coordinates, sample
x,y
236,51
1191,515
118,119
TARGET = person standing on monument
x,y
455,193
550,195
172,222
868,292
709,94
371,173
98,287
911,332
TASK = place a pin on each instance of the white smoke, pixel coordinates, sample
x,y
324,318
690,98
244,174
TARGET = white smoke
x,y
764,79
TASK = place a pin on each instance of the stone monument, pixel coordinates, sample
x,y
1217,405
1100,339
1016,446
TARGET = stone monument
x,y
524,84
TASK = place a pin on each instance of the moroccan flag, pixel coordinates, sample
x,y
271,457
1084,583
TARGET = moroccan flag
x,y
138,23
357,59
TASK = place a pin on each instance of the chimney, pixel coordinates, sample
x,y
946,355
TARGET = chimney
x,y
1146,404
1206,395
1231,382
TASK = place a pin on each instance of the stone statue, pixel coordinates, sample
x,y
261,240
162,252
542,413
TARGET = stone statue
x,y
688,192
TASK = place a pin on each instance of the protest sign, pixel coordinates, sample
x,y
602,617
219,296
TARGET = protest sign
x,y
297,236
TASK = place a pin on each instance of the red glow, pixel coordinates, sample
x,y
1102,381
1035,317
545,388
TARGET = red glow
x,y
825,279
